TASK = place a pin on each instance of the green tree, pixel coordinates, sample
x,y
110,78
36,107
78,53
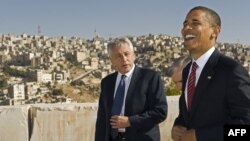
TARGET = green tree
x,y
3,83
171,91
57,92
14,72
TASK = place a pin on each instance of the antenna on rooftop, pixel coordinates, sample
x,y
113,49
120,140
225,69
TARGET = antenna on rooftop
x,y
95,33
39,30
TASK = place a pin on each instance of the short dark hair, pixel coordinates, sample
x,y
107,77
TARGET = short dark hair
x,y
214,16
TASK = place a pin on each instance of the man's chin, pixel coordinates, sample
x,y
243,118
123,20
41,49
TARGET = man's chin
x,y
125,70
188,46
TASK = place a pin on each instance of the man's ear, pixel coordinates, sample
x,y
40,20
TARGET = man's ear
x,y
216,31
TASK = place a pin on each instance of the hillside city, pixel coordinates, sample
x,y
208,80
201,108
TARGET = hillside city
x,y
41,69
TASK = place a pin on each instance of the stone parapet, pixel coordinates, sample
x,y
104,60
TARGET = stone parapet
x,y
62,122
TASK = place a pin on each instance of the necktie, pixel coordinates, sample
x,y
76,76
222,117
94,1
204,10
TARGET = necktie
x,y
117,103
119,97
191,85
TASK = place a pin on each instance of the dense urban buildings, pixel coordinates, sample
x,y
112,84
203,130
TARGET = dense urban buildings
x,y
41,69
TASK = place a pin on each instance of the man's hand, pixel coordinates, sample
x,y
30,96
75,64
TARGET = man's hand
x,y
178,132
119,122
189,135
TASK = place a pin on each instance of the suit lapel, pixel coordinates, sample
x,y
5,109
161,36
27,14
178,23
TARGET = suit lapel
x,y
204,80
132,86
111,87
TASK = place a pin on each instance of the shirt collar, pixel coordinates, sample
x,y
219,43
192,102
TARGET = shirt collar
x,y
128,74
202,60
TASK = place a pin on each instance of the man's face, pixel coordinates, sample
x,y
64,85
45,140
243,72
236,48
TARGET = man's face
x,y
177,77
122,58
198,34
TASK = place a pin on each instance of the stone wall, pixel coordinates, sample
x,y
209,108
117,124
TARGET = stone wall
x,y
62,122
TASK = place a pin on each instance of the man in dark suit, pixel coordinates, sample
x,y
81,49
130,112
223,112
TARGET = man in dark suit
x,y
216,89
143,106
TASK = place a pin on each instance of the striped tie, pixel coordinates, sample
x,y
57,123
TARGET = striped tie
x,y
191,85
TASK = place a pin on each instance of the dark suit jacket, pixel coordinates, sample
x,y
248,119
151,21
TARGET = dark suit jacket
x,y
145,105
222,96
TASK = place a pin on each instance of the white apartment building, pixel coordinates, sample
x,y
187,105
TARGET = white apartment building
x,y
43,77
16,91
47,77
80,56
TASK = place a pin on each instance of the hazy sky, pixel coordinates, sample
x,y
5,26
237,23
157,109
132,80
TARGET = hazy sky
x,y
111,18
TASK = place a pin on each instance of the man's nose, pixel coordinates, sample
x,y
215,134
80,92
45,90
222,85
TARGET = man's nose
x,y
187,26
123,57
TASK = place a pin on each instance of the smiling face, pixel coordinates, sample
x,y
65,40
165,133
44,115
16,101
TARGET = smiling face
x,y
198,33
122,57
